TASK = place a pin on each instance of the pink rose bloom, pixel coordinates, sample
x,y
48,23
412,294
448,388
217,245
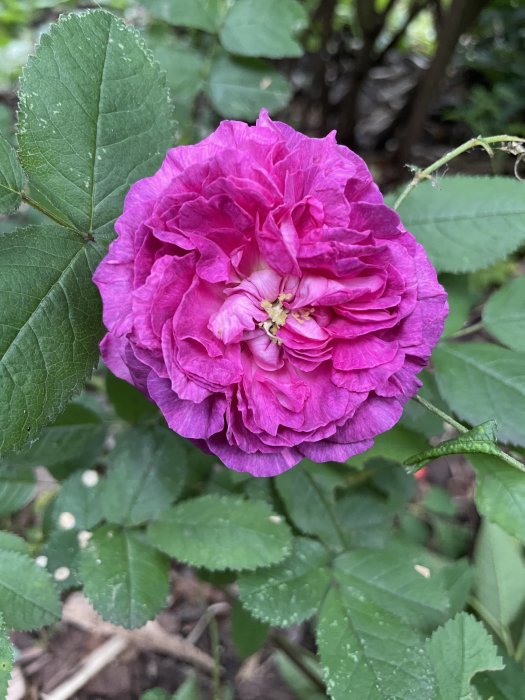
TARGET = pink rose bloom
x,y
262,294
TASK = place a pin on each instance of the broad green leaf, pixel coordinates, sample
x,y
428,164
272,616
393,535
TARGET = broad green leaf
x,y
147,473
289,592
396,444
365,518
129,403
267,29
240,88
12,543
460,220
480,381
461,299
481,439
73,441
198,14
504,314
499,575
500,494
11,178
367,652
507,684
419,419
457,579
78,503
16,488
156,694
390,579
248,633
7,657
459,650
309,505
125,579
50,326
28,598
62,549
185,66
302,687
88,129
189,690
222,532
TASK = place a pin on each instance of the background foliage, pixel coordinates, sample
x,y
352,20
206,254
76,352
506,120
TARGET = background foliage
x,y
401,588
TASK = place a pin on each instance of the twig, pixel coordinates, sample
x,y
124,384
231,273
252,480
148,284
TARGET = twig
x,y
152,636
90,667
201,624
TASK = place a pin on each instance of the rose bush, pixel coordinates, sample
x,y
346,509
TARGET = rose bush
x,y
262,294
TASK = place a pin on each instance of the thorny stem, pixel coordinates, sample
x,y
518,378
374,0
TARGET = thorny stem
x,y
499,453
501,630
296,654
425,174
444,416
468,330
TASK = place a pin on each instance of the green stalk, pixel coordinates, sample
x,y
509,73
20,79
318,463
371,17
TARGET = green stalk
x,y
472,143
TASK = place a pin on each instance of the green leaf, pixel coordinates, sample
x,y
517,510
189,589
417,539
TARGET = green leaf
x,y
11,178
461,299
481,439
389,579
396,444
73,441
125,579
50,326
28,598
504,314
367,652
459,650
289,592
248,633
507,684
416,417
460,220
309,505
302,687
267,29
186,70
365,518
147,473
222,532
88,129
12,543
62,549
198,14
7,658
129,403
480,381
16,488
155,694
240,88
499,575
79,497
189,690
500,494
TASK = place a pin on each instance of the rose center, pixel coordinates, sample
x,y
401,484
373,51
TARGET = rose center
x,y
277,315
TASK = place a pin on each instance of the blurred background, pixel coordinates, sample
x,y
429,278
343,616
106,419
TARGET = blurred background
x,y
400,80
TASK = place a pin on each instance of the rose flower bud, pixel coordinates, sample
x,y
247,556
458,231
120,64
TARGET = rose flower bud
x,y
262,294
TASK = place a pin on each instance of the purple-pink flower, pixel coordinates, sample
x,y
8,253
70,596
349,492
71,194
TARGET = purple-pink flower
x,y
262,294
